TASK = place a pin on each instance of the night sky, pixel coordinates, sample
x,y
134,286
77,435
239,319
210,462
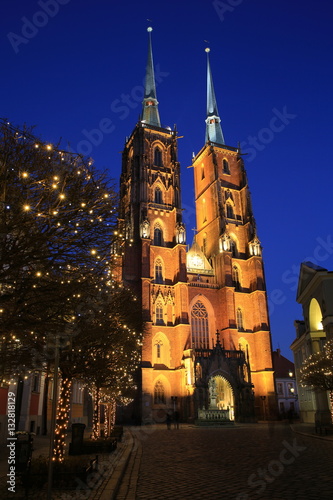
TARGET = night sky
x,y
70,67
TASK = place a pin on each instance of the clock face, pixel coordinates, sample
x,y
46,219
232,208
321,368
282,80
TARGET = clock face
x,y
197,261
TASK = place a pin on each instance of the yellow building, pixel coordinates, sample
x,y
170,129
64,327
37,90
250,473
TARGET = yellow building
x,y
315,294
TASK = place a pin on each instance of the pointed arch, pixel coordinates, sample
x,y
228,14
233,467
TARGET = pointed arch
x,y
204,243
211,320
199,325
161,349
158,195
159,312
229,195
158,271
225,166
230,210
239,319
221,394
158,157
204,210
233,245
159,393
236,277
158,235
244,346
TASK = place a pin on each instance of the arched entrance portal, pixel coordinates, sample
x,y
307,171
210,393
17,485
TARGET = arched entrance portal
x,y
221,396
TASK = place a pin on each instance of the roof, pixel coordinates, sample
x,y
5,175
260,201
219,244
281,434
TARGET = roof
x,y
282,366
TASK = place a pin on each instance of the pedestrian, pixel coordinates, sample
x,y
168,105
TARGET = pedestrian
x,y
290,415
176,419
168,421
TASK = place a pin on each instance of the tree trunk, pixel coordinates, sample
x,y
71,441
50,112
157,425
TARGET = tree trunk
x,y
62,420
96,415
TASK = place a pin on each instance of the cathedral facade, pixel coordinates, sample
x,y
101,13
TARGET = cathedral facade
x,y
206,350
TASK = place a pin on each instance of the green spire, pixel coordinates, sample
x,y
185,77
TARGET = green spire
x,y
150,113
213,122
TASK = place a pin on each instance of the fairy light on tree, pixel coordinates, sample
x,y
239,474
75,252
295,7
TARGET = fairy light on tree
x,y
58,215
317,371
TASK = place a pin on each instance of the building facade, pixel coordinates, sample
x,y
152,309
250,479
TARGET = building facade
x,y
315,294
286,388
207,344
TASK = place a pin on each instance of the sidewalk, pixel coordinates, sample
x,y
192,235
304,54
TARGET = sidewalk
x,y
102,484
117,473
309,430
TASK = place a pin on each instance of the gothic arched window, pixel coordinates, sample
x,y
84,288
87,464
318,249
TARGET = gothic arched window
x,y
159,313
158,271
204,243
236,278
159,394
204,211
199,326
239,319
229,195
158,236
230,211
158,157
233,248
158,198
226,169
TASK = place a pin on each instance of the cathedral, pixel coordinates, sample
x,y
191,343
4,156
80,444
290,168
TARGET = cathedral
x,y
206,352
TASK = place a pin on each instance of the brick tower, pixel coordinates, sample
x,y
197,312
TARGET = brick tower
x,y
206,350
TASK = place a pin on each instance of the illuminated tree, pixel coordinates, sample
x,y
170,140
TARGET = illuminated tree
x,y
57,216
106,353
317,371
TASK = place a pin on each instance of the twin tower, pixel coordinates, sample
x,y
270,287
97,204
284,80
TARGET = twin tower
x,y
206,350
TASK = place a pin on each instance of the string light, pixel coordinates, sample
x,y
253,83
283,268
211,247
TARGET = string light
x,y
91,270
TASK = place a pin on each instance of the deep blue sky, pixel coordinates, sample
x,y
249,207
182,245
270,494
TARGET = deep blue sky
x,y
268,57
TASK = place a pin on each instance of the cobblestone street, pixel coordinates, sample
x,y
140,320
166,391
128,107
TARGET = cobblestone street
x,y
244,462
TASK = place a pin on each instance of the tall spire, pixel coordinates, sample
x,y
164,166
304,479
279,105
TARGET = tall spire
x,y
150,113
213,122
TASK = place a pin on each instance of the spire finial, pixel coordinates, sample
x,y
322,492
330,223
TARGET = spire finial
x,y
150,114
213,122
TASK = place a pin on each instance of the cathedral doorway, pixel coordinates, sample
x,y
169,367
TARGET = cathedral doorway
x,y
221,396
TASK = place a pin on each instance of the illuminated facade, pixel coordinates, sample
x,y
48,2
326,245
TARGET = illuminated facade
x,y
207,348
315,294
